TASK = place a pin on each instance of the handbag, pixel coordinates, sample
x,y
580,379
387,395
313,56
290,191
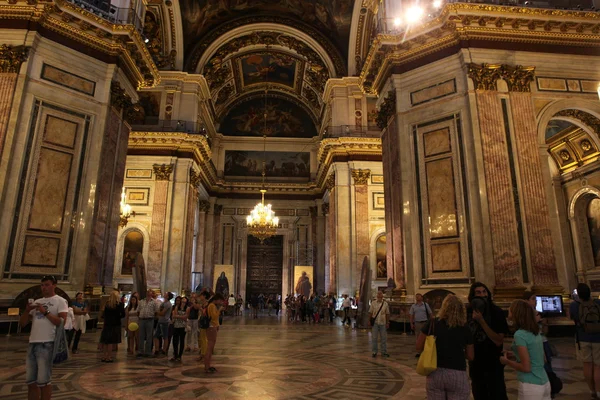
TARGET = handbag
x,y
204,321
376,315
428,359
60,352
556,384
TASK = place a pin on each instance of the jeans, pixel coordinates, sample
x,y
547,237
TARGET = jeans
x,y
191,339
162,331
346,316
178,341
39,363
529,391
76,340
146,328
382,332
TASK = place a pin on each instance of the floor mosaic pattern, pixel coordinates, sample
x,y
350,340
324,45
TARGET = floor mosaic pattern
x,y
256,359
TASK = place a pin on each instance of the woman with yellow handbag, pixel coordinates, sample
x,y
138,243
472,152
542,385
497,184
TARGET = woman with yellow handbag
x,y
444,344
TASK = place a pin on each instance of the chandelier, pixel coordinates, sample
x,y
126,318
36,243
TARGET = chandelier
x,y
262,222
125,211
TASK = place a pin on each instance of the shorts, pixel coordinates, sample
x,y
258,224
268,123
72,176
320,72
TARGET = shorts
x,y
589,352
39,364
162,330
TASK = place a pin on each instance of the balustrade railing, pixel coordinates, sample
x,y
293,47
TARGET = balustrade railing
x,y
111,13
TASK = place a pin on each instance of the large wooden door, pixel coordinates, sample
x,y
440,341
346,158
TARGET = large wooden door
x,y
265,266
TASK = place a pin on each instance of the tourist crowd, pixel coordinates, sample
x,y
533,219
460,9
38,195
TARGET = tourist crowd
x,y
472,334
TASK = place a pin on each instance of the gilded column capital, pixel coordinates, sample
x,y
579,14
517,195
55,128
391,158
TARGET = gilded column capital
x,y
194,178
121,101
325,208
387,110
361,176
218,209
484,76
11,58
204,205
518,78
330,181
162,171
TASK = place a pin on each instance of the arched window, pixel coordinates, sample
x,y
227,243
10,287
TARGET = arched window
x,y
133,244
381,254
593,217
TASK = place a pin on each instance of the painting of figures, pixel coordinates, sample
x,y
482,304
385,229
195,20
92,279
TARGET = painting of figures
x,y
278,164
284,119
274,67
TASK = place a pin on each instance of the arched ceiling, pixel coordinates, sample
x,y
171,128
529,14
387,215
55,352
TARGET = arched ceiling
x,y
570,144
291,46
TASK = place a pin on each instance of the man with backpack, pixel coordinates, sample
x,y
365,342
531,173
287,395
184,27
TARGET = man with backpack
x,y
586,314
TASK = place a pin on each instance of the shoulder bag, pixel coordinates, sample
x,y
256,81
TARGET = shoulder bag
x,y
376,315
428,359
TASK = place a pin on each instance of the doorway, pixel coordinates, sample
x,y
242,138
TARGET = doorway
x,y
265,266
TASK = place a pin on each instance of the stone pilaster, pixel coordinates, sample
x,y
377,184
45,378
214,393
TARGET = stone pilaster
x,y
532,193
361,212
162,175
216,234
192,205
332,287
500,196
11,59
203,207
327,240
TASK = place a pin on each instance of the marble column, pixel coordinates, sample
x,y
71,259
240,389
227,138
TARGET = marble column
x,y
361,218
500,196
332,287
105,225
392,191
203,207
208,244
162,175
192,205
327,240
533,193
313,244
217,230
11,59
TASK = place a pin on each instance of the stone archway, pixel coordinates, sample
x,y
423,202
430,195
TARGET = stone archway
x,y
587,267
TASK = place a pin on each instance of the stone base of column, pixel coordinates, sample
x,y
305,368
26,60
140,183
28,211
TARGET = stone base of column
x,y
545,289
399,294
508,294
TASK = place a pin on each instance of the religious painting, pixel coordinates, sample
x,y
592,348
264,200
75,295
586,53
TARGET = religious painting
x,y
273,67
332,18
284,119
278,164
133,244
556,126
303,280
593,216
381,256
223,279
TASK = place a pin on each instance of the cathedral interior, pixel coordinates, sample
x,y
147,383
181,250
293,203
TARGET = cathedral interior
x,y
444,143
404,146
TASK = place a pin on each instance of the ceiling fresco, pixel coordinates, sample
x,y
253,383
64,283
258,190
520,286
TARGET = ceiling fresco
x,y
284,119
330,19
272,67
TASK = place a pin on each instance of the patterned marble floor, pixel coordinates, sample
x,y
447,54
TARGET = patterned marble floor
x,y
257,359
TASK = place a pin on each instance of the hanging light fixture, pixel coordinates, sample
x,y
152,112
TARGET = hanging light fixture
x,y
262,222
125,211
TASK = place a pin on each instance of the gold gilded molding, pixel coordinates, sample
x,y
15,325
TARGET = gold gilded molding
x,y
387,110
584,117
195,178
163,171
330,182
11,58
204,206
484,76
518,78
361,176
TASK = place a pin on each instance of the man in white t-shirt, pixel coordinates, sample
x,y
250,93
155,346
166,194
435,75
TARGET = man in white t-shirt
x,y
346,305
45,314
379,319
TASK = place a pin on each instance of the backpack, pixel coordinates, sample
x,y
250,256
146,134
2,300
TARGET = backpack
x,y
204,321
589,317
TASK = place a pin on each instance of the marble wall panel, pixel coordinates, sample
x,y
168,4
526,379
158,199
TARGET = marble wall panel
x,y
51,189
445,257
433,92
40,251
332,240
501,206
437,142
441,195
192,205
67,79
157,234
133,173
228,241
60,132
361,210
533,196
